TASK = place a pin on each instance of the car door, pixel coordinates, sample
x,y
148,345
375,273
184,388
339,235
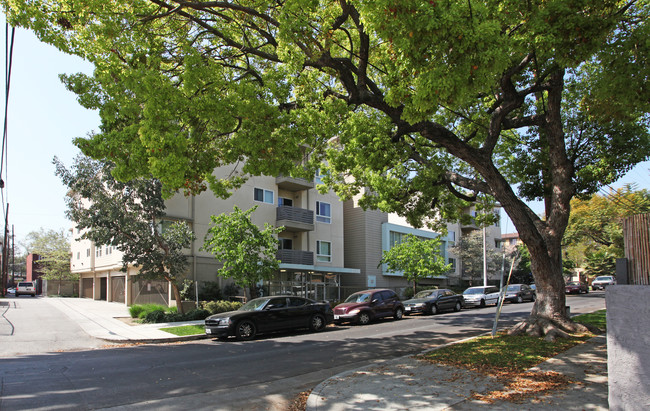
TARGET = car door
x,y
299,312
445,300
526,292
275,315
491,295
378,305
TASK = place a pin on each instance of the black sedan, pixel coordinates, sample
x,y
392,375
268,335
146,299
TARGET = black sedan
x,y
433,301
268,314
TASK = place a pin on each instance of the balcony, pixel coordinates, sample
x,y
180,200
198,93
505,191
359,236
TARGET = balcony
x,y
293,184
294,218
296,257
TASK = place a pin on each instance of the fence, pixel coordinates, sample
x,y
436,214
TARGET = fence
x,y
636,235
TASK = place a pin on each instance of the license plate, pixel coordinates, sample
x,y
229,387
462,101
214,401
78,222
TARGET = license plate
x,y
208,331
336,317
407,308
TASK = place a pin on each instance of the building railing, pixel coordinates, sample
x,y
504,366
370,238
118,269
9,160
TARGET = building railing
x,y
294,218
296,257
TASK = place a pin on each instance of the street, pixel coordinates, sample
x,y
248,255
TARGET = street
x,y
208,374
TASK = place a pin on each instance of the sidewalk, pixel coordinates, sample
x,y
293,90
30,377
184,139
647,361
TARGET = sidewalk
x,y
99,319
409,384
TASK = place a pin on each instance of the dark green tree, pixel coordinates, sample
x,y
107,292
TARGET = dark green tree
x,y
421,106
470,252
130,216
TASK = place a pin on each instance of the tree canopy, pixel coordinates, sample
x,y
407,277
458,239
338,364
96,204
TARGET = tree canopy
x,y
421,106
130,216
246,252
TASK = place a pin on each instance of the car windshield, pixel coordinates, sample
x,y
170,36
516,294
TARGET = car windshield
x,y
358,298
425,294
573,283
603,278
513,288
473,291
254,305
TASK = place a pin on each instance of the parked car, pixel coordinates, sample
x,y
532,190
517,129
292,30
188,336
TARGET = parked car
x,y
365,306
481,296
26,288
268,314
575,287
11,290
602,281
518,293
433,301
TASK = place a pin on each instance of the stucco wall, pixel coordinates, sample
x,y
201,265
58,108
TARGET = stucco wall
x,y
628,346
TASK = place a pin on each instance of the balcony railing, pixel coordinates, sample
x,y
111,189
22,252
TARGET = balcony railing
x,y
296,257
293,184
294,218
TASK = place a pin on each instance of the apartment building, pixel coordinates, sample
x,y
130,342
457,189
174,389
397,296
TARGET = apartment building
x,y
370,232
311,247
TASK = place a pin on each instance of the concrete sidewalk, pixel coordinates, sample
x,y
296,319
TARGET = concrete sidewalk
x,y
100,320
410,384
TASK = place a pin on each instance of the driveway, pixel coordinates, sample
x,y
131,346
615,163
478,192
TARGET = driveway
x,y
31,325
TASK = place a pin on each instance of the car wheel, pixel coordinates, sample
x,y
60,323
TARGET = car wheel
x,y
317,322
363,318
519,299
245,330
434,309
457,307
399,312
482,304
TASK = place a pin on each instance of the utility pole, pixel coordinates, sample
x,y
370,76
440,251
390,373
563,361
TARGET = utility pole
x,y
484,259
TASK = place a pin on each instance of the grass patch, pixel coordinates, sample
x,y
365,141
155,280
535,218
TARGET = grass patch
x,y
186,330
506,353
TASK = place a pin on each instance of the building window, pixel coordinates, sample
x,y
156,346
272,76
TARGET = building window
x,y
452,261
285,244
396,238
318,177
323,212
87,252
323,251
78,255
98,252
108,249
264,196
286,202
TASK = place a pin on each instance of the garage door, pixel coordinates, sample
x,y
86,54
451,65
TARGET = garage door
x,y
117,289
87,288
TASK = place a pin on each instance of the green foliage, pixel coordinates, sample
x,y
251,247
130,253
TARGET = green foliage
x,y
419,107
216,307
141,310
210,290
597,318
246,252
53,247
129,215
600,262
185,330
155,313
416,258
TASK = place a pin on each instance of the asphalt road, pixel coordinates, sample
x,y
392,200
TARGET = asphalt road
x,y
212,375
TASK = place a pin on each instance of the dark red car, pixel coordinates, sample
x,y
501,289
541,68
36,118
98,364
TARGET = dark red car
x,y
575,287
365,306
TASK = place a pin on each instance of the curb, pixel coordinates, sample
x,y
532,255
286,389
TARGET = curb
x,y
156,340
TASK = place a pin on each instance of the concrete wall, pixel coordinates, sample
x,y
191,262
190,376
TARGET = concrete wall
x,y
628,346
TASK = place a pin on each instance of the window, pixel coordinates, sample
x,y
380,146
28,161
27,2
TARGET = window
x,y
323,212
78,255
323,251
452,261
285,244
287,202
98,252
264,196
87,252
108,250
318,177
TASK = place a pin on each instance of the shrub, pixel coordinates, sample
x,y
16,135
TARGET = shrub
x,y
196,314
156,316
210,291
216,307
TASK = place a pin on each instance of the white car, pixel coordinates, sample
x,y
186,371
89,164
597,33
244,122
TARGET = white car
x,y
602,281
481,296
26,288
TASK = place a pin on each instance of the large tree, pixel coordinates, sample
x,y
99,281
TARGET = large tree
x,y
130,216
422,104
469,251
53,248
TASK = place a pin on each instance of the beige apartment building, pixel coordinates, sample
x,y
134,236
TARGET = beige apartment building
x,y
327,250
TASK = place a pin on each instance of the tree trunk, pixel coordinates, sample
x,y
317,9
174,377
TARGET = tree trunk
x,y
177,297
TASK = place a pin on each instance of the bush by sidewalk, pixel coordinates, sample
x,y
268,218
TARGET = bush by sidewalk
x,y
156,313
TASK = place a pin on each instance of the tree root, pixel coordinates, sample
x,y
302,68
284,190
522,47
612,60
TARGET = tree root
x,y
551,329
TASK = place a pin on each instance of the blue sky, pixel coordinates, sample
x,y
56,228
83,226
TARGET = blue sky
x,y
44,117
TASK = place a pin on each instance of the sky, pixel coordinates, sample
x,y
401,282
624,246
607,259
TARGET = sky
x,y
44,118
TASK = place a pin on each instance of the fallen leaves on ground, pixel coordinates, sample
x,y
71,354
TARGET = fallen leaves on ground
x,y
520,386
299,402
